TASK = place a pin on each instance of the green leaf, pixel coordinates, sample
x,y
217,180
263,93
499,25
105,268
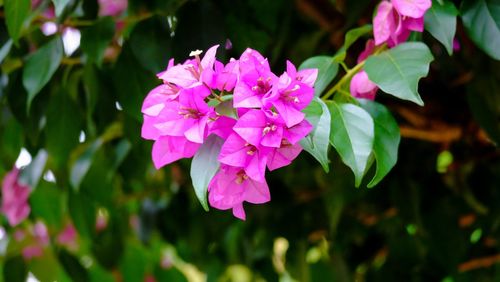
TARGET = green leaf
x,y
41,66
33,172
83,163
386,142
204,166
481,18
398,70
73,267
63,127
60,5
16,13
316,143
83,213
15,270
441,22
327,70
47,202
134,263
351,36
352,136
5,49
96,38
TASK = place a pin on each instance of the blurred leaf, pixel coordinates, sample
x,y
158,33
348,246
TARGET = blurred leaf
x,y
63,126
83,163
482,21
41,66
441,22
150,42
327,70
73,267
15,270
46,267
204,166
47,202
60,5
11,140
316,143
98,274
16,13
133,264
132,83
5,50
398,70
83,214
351,36
386,141
352,134
169,275
96,38
32,173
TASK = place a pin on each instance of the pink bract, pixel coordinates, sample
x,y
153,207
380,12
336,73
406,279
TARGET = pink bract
x,y
15,198
112,7
412,8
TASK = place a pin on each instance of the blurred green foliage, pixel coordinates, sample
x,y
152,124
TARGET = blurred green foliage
x,y
434,218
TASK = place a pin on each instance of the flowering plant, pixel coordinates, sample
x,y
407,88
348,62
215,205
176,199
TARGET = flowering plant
x,y
240,116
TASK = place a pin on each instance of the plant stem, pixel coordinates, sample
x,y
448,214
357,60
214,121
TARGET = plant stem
x,y
343,80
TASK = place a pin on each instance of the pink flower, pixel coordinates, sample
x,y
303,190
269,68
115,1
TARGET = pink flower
x,y
252,159
41,239
168,149
223,78
256,80
112,7
395,20
231,186
412,8
15,198
259,127
290,96
67,237
283,156
362,87
32,251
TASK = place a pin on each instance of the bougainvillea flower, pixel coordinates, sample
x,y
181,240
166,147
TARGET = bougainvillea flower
x,y
67,237
283,156
221,126
15,198
385,22
186,117
297,132
32,251
222,78
231,186
112,7
362,87
256,80
412,8
289,98
239,153
168,149
258,127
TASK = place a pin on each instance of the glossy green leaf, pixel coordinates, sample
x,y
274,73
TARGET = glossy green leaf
x,y
96,38
327,70
33,172
60,5
386,141
482,21
351,36
63,126
41,66
317,142
352,134
16,13
204,166
441,22
397,71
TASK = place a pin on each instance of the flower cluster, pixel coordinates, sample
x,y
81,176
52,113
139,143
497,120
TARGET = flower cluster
x,y
392,24
257,113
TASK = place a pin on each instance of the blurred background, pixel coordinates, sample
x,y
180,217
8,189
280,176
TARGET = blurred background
x,y
99,211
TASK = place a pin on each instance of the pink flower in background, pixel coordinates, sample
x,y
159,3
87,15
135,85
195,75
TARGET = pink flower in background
x,y
15,198
41,240
67,237
362,87
32,251
231,186
261,126
395,20
112,7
